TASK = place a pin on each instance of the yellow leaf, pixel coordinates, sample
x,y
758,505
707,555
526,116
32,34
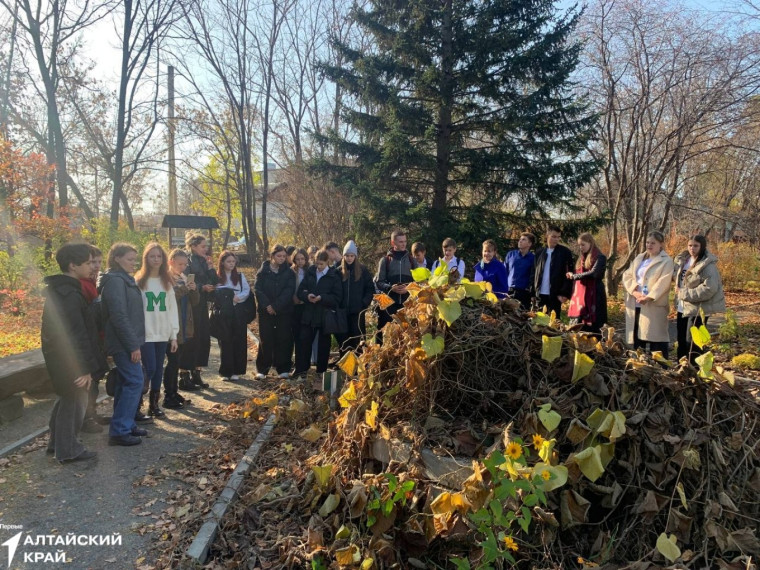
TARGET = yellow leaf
x,y
432,345
551,347
541,319
449,311
558,475
348,556
726,375
343,532
546,450
322,474
582,365
288,447
348,363
472,290
367,564
549,417
271,401
590,463
370,416
446,503
700,336
311,433
666,545
413,289
383,300
348,397
606,452
705,363
331,503
421,274
442,269
658,357
492,297
682,495
456,294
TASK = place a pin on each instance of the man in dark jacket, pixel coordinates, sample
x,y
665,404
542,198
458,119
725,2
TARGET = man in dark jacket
x,y
200,265
70,347
553,262
394,273
274,287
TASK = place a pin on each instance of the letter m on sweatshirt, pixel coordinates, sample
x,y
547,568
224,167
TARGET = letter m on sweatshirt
x,y
154,300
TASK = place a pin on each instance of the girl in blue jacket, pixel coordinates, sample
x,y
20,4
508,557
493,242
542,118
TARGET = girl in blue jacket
x,y
492,270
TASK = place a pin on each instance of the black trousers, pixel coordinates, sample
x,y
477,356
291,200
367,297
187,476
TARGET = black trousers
x,y
183,359
522,295
383,318
686,347
200,344
638,343
234,350
275,343
305,339
357,331
551,303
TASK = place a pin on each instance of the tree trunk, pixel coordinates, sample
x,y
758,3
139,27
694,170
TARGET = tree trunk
x,y
443,139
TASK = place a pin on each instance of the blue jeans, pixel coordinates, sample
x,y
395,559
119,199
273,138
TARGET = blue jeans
x,y
153,354
127,395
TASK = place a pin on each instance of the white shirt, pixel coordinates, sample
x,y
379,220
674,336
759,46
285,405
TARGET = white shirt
x,y
546,277
640,276
452,263
686,266
242,289
321,274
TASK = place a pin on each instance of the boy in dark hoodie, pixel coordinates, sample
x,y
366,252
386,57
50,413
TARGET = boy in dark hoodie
x,y
70,348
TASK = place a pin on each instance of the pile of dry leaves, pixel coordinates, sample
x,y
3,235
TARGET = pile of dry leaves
x,y
481,436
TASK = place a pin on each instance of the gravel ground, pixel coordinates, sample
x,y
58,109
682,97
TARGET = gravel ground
x,y
100,497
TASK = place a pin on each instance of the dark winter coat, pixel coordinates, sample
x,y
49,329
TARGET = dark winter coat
x,y
357,295
198,266
122,311
330,288
562,263
186,300
69,335
276,289
396,267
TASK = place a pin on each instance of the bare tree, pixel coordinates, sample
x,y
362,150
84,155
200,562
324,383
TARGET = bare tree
x,y
48,27
668,85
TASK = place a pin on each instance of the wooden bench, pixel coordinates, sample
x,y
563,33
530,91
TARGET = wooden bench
x,y
23,372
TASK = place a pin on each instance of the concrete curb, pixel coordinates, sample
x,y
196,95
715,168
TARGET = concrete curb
x,y
201,544
27,439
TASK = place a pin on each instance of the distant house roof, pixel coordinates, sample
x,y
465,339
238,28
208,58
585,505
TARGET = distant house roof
x,y
190,222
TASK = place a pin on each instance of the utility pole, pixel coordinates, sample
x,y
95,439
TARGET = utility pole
x,y
172,164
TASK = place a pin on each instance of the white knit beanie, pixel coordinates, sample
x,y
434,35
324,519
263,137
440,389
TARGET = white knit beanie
x,y
350,247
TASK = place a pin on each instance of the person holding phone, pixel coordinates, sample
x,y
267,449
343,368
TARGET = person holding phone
x,y
202,267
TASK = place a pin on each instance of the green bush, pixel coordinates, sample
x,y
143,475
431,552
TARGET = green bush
x,y
11,271
729,330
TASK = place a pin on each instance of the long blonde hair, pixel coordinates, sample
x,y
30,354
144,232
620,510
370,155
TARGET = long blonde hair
x,y
143,273
586,262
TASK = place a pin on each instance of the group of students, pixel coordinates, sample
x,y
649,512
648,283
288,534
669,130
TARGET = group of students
x,y
152,323
552,276
155,326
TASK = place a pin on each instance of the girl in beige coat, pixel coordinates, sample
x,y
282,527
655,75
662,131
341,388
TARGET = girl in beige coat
x,y
647,285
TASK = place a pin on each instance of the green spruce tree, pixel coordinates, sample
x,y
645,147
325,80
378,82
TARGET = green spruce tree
x,y
462,116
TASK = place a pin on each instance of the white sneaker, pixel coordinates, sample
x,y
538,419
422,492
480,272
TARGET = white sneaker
x,y
260,376
284,375
225,379
234,377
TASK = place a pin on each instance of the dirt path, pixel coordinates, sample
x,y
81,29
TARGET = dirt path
x,y
107,496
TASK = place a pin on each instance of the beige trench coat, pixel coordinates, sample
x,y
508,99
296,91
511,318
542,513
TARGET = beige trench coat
x,y
653,322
